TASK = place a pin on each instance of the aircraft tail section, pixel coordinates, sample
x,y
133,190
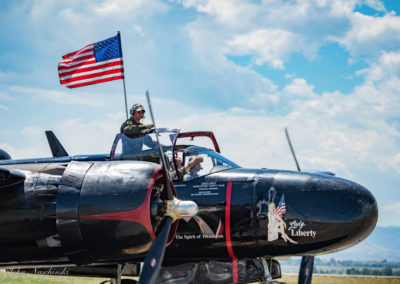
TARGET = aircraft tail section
x,y
56,148
4,155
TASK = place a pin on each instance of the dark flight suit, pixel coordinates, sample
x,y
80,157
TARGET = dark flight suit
x,y
131,127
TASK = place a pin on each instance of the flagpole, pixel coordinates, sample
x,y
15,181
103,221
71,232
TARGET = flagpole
x,y
126,102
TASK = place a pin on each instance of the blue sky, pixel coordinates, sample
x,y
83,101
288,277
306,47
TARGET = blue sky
x,y
328,70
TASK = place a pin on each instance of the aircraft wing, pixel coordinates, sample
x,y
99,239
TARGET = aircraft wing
x,y
10,177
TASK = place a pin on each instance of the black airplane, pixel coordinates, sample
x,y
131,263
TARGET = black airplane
x,y
102,215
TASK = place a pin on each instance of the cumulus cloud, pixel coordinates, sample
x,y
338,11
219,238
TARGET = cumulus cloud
x,y
369,36
79,98
270,46
272,30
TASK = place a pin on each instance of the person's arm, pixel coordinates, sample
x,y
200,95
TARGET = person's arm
x,y
192,163
131,129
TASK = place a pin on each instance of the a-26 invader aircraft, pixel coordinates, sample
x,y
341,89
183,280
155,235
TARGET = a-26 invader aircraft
x,y
101,215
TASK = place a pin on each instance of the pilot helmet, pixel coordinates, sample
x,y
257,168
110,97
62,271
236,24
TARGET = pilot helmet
x,y
136,107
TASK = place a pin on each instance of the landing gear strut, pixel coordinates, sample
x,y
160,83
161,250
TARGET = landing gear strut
x,y
272,268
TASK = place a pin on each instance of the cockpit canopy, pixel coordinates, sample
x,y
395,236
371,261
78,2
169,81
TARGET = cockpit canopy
x,y
212,161
143,147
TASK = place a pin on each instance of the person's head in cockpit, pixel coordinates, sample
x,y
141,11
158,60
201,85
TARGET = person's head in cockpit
x,y
133,125
137,112
194,165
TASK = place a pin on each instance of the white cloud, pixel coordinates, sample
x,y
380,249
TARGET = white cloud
x,y
139,30
225,11
270,46
394,207
273,30
129,7
79,97
3,107
5,96
299,87
33,132
369,36
375,4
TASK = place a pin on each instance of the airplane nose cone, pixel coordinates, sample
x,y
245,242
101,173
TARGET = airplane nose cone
x,y
350,210
325,213
358,208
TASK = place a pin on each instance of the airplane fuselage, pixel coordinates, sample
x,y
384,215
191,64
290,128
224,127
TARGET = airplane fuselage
x,y
45,220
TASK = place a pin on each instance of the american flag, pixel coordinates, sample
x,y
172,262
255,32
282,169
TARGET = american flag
x,y
95,63
281,206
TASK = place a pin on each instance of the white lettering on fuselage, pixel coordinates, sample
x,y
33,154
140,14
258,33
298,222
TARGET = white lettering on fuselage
x,y
207,189
197,236
296,229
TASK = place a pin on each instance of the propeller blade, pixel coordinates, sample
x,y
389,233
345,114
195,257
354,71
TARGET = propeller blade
x,y
155,255
307,262
291,149
306,270
164,164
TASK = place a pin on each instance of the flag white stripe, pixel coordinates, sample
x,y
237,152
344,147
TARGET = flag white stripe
x,y
91,72
76,56
90,46
74,63
93,79
90,65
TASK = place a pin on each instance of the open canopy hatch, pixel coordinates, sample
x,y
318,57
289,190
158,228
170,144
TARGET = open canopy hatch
x,y
143,147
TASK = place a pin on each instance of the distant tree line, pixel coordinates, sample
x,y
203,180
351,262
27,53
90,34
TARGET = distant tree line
x,y
354,263
386,271
352,267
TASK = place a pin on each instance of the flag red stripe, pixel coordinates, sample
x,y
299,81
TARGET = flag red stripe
x,y
88,73
93,79
79,54
94,75
66,67
74,60
95,82
88,64
91,59
78,51
85,69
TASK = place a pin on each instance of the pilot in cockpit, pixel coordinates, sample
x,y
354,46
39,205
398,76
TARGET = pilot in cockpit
x,y
133,128
182,171
195,167
133,125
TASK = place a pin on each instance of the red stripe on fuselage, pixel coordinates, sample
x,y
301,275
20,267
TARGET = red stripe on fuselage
x,y
228,231
139,215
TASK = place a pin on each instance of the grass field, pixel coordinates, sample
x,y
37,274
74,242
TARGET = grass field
x,y
327,279
20,278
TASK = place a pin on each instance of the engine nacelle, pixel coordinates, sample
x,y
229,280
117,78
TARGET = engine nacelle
x,y
96,212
